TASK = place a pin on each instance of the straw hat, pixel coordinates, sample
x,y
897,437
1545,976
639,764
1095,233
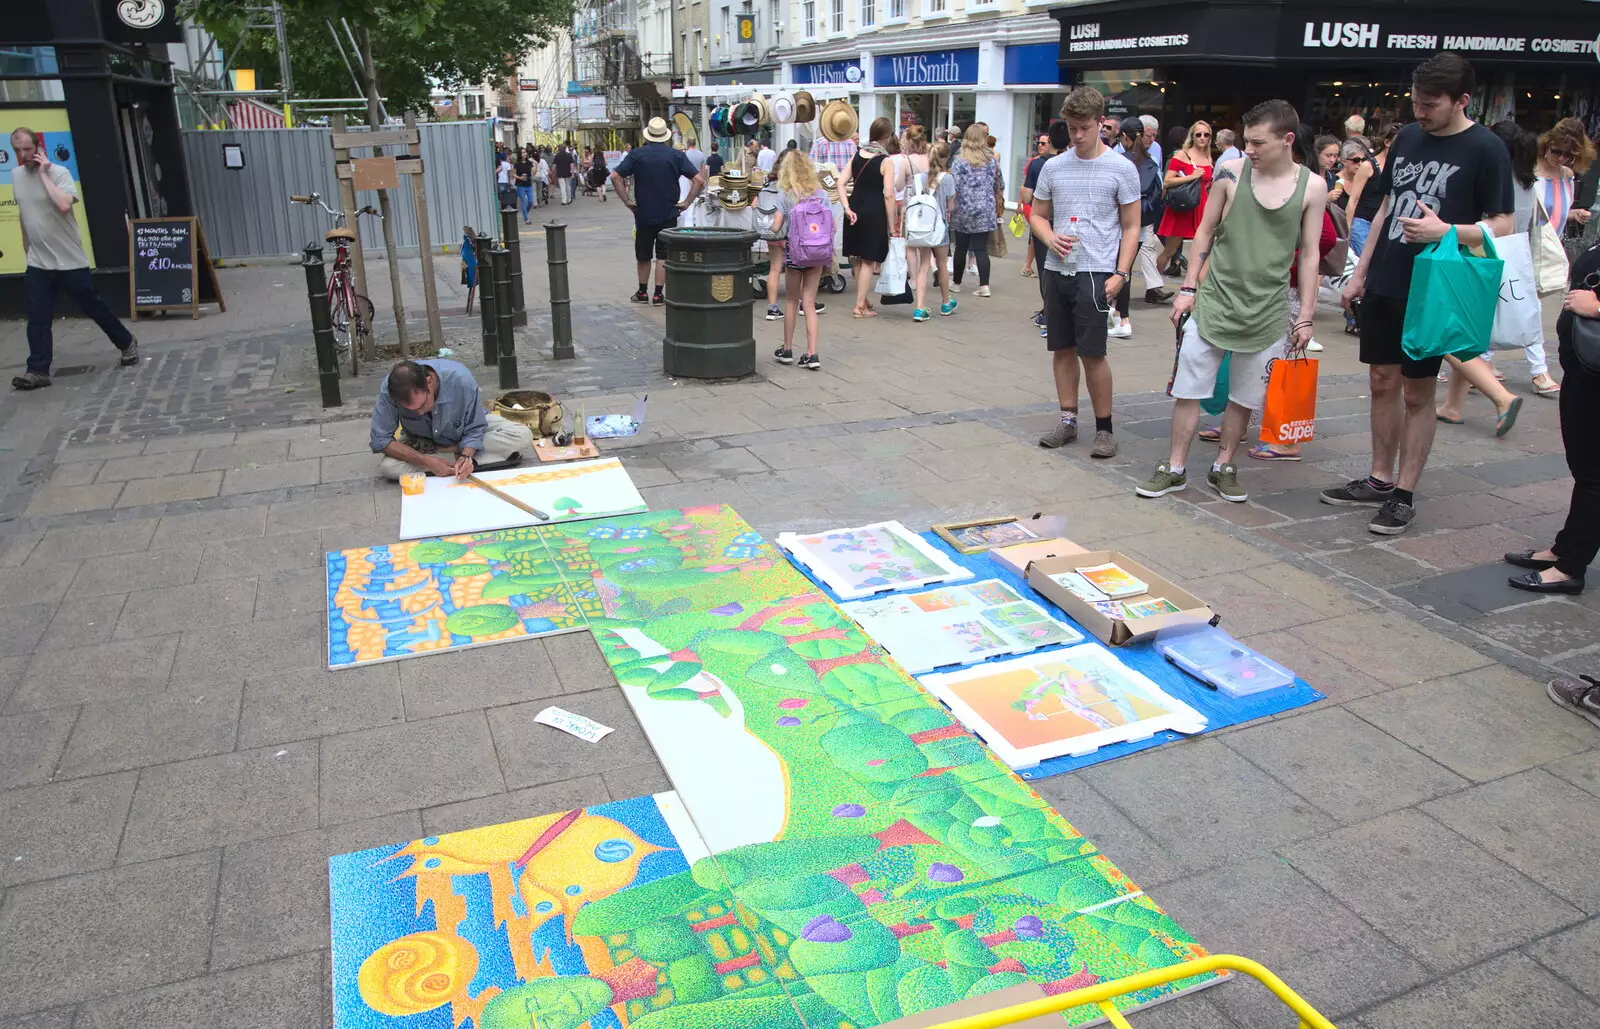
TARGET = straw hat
x,y
763,108
735,199
805,107
783,107
656,131
828,175
838,121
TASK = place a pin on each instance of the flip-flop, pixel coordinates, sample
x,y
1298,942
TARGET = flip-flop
x,y
1263,452
1027,273
1211,435
1504,423
1448,421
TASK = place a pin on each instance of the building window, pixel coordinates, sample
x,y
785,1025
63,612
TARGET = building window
x,y
868,16
894,10
808,15
836,16
727,33
934,8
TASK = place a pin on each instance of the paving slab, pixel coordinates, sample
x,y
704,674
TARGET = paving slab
x,y
1130,847
30,745
60,500
1510,990
638,780
532,802
258,478
41,583
324,512
1467,594
102,671
1582,770
125,573
169,488
1572,955
263,647
241,455
273,897
150,466
105,933
1429,890
92,541
307,704
303,591
1545,628
91,620
485,677
413,765
21,628
191,530
1408,652
279,993
213,801
533,754
255,555
62,827
129,734
202,605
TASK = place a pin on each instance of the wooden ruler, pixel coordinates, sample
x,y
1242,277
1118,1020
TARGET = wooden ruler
x,y
513,501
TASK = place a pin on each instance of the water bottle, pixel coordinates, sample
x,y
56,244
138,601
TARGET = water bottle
x,y
1072,236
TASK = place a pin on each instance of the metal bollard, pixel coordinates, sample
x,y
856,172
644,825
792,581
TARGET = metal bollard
x,y
322,326
482,245
512,237
555,247
508,339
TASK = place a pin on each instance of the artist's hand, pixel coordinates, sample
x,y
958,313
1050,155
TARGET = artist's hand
x,y
463,467
1182,304
1428,228
438,466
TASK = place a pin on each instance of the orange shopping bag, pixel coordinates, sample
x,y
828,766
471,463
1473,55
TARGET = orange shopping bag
x,y
1290,413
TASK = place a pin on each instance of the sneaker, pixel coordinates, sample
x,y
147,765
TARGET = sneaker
x,y
1226,482
1357,493
1105,444
1038,319
1313,347
948,308
130,356
1164,481
955,287
30,380
1060,436
1393,518
784,355
640,297
983,291
1159,295
774,312
657,300
1044,333
819,307
811,361
920,315
1581,696
1123,331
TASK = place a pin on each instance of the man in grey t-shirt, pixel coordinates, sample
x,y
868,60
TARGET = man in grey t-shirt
x,y
1100,188
45,194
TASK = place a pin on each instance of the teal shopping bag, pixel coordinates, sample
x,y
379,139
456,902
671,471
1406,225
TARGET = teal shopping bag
x,y
1219,394
1453,295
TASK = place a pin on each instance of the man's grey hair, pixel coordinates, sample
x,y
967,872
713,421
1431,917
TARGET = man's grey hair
x,y
1150,123
1225,138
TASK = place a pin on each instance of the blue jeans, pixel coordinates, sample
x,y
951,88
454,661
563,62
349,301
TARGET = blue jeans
x,y
41,285
1359,227
525,200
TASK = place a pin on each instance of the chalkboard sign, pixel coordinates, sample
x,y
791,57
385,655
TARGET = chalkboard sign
x,y
166,257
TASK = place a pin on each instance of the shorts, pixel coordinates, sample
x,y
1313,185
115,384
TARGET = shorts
x,y
1199,361
645,243
1075,309
1383,323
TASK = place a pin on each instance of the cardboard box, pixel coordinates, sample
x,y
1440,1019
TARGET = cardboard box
x,y
1117,631
1018,556
1022,993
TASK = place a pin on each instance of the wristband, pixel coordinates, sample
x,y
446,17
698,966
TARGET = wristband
x,y
1187,291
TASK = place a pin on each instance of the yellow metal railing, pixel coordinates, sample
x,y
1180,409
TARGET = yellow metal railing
x,y
1100,995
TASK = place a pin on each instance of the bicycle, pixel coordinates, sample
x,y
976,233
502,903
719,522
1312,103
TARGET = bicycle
x,y
350,313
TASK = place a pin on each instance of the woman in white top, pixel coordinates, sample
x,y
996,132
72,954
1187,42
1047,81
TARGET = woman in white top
x,y
908,164
937,180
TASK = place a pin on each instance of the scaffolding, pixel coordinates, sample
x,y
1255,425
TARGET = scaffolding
x,y
607,62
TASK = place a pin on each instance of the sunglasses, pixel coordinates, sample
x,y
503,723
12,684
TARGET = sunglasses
x,y
1202,135
1561,155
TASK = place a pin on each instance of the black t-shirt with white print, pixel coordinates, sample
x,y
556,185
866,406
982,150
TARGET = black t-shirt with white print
x,y
1464,178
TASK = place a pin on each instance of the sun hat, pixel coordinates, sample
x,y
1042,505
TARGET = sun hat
x,y
783,107
805,107
763,109
838,121
656,131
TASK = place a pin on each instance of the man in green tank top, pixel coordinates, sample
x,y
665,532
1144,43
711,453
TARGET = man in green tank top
x,y
1235,299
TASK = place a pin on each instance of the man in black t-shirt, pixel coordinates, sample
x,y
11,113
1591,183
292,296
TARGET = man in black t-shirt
x,y
523,176
564,162
713,164
654,168
1443,171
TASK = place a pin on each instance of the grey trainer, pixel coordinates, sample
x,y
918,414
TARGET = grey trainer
x,y
1357,493
1226,482
1581,696
1164,481
30,380
130,356
1060,436
1105,444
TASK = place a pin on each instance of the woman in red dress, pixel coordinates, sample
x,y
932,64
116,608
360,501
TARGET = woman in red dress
x,y
1193,161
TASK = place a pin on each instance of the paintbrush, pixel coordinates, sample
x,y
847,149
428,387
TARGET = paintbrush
x,y
513,501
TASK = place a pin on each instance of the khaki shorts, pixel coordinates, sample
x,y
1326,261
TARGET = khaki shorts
x,y
1198,362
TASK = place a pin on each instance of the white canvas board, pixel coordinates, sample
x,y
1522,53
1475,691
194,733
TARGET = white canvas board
x,y
958,624
566,492
1059,702
871,559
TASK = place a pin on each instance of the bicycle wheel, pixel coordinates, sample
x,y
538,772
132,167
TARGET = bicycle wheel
x,y
340,311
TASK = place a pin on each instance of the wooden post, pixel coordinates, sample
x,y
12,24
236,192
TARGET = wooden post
x,y
419,199
347,204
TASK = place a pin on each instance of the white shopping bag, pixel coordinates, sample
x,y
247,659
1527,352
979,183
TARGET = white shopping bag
x,y
1518,318
892,278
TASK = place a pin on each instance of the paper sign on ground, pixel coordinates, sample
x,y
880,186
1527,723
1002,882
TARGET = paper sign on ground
x,y
567,493
957,625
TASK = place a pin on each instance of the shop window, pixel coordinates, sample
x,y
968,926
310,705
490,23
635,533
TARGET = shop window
x,y
894,11
867,17
836,17
808,19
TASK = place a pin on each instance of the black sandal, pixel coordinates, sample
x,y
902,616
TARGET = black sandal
x,y
1351,330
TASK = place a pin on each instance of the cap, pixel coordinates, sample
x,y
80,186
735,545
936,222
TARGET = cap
x,y
1131,126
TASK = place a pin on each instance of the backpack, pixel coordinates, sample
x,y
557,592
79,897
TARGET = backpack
x,y
810,233
923,221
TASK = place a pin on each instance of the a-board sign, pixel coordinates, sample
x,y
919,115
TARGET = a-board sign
x,y
166,259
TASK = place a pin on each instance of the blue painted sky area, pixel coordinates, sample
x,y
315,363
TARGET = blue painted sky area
x,y
370,907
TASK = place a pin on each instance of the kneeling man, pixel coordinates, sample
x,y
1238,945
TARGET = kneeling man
x,y
443,428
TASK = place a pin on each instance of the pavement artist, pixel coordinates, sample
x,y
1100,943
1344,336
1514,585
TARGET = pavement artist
x,y
435,404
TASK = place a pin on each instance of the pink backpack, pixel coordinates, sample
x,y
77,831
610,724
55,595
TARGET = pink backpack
x,y
810,233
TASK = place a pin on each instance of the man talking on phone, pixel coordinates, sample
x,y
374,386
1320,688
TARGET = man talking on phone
x,y
45,195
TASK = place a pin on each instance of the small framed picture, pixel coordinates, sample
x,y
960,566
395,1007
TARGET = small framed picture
x,y
977,536
232,156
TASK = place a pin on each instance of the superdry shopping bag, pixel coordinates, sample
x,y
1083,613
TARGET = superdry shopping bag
x,y
1290,413
1518,318
1450,309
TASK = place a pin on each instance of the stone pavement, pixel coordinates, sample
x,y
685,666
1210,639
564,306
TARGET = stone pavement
x,y
176,765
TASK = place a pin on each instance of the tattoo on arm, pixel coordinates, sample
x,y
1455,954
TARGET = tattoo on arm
x,y
1200,258
1225,174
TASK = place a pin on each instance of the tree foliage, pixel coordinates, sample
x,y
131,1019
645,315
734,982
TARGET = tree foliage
x,y
415,43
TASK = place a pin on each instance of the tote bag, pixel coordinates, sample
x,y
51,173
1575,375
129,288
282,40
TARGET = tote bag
x,y
1518,318
1450,309
1549,256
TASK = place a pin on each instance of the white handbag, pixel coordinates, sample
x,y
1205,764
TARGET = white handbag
x,y
1549,256
1518,317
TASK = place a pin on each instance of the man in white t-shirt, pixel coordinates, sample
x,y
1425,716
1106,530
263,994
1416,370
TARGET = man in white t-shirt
x,y
766,158
1087,261
503,173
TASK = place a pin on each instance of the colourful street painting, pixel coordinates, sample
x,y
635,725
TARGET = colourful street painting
x,y
838,852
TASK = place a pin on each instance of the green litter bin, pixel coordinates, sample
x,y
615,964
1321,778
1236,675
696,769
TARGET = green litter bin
x,y
710,327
